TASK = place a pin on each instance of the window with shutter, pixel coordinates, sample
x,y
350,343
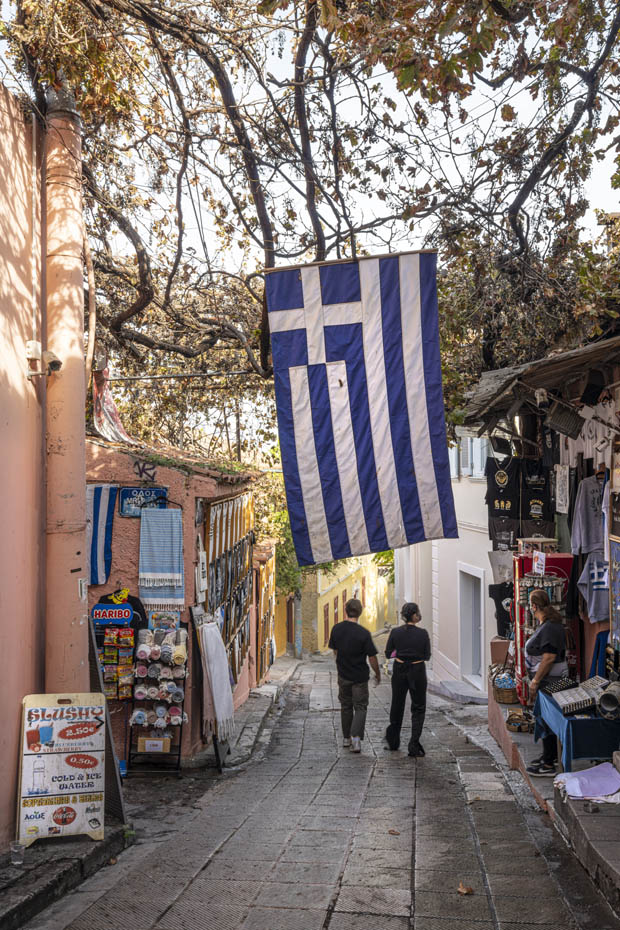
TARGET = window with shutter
x,y
453,455
479,457
465,444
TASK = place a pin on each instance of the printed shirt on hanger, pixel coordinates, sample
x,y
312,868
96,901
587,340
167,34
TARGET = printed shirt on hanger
x,y
502,496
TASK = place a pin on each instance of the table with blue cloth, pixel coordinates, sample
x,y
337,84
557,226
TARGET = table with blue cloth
x,y
581,737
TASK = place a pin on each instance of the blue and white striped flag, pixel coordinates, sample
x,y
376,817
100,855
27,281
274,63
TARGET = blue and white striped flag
x,y
100,503
360,405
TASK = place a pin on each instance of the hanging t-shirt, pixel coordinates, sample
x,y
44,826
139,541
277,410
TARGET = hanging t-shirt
x,y
536,505
593,586
587,529
504,532
535,475
502,496
551,447
541,528
501,595
536,491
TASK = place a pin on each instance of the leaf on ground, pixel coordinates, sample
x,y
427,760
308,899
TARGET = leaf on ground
x,y
464,889
394,832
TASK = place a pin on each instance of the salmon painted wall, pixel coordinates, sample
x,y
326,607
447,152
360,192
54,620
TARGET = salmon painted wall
x,y
22,440
107,465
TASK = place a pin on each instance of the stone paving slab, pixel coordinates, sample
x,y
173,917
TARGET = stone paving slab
x,y
202,917
297,896
340,921
448,882
542,909
464,907
443,923
268,918
399,878
363,900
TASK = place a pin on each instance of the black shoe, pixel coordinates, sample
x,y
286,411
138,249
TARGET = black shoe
x,y
540,770
416,751
391,744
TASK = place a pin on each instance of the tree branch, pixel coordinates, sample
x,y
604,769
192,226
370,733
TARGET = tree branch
x,y
145,288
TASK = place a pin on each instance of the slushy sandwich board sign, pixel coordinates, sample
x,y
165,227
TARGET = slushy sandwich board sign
x,y
62,771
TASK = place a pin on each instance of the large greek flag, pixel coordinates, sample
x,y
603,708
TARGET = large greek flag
x,y
360,405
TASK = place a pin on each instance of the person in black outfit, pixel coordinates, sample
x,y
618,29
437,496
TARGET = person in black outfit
x,y
411,648
354,648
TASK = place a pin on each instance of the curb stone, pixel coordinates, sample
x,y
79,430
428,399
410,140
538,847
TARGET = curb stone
x,y
60,869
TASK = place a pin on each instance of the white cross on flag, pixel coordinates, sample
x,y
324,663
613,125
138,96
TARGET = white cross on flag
x,y
360,405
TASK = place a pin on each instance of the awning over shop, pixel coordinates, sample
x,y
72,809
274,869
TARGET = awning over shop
x,y
503,393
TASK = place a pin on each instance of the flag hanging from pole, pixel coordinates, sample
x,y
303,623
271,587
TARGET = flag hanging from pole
x,y
359,398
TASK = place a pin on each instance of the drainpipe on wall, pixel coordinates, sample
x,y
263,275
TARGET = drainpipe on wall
x,y
66,623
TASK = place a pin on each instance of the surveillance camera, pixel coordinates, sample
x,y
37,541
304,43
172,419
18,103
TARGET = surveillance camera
x,y
51,362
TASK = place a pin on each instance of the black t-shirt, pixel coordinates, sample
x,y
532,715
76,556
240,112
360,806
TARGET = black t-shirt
x,y
501,595
536,505
503,487
504,532
550,637
543,528
535,475
409,642
353,643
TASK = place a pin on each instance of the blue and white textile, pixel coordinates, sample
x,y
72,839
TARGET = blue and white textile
x,y
161,576
100,504
360,405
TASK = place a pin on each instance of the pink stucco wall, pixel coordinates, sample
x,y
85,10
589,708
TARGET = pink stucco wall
x,y
22,541
106,464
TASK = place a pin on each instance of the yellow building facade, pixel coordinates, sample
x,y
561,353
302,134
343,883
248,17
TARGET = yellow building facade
x,y
360,578
323,599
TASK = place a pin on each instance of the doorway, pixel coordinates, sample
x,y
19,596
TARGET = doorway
x,y
471,623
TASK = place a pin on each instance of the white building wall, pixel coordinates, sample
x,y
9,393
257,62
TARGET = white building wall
x,y
430,574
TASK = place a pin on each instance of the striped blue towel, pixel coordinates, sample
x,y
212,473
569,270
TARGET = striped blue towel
x,y
161,576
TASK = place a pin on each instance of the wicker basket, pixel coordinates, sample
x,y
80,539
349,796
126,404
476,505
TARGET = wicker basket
x,y
520,721
503,695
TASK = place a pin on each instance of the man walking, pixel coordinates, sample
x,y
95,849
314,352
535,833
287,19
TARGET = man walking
x,y
352,645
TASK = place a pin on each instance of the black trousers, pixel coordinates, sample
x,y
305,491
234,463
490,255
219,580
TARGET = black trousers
x,y
550,749
407,679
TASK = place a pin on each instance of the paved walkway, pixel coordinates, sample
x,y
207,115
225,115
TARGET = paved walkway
x,y
308,836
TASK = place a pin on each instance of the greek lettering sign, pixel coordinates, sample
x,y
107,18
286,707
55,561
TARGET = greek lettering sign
x,y
132,500
119,614
61,784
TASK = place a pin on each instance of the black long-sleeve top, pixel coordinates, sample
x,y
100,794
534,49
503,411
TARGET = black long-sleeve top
x,y
409,642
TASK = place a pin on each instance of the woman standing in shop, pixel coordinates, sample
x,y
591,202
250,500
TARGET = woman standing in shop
x,y
545,658
411,649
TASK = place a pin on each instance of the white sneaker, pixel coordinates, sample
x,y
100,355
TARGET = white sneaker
x,y
356,744
346,742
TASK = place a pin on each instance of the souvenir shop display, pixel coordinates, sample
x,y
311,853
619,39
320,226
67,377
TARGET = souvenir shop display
x,y
519,500
614,600
228,597
581,697
158,714
117,617
265,597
